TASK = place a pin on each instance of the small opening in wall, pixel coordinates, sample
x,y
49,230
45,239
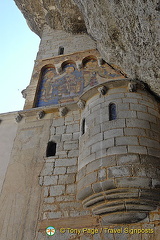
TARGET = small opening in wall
x,y
51,149
83,126
112,111
61,50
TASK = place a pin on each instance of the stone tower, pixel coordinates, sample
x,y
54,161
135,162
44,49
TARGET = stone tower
x,y
84,153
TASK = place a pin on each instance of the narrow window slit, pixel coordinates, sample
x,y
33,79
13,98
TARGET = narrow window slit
x,y
83,126
112,111
61,50
51,149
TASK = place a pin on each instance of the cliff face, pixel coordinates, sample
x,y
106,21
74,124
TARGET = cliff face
x,y
127,33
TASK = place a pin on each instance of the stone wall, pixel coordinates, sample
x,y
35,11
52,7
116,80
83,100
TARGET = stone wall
x,y
52,39
8,128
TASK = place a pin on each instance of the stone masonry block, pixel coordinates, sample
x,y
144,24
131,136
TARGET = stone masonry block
x,y
72,128
103,116
135,182
146,116
153,135
101,153
114,96
154,152
107,101
71,189
54,215
66,179
137,149
103,186
95,130
57,190
154,112
149,143
108,161
49,200
49,207
84,193
117,150
48,169
72,169
113,133
98,137
133,95
102,174
70,205
87,180
127,114
128,159
60,130
96,147
73,153
123,107
50,180
66,162
146,103
67,137
114,124
58,122
126,141
81,173
134,131
60,170
92,166
76,135
119,171
65,198
138,107
155,127
138,123
130,100
72,145
86,160
69,119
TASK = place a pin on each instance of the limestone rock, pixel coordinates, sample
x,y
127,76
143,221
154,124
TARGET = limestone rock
x,y
127,34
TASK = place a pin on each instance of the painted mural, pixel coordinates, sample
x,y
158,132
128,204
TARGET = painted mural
x,y
58,88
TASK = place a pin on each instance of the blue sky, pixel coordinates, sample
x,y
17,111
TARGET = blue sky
x,y
18,49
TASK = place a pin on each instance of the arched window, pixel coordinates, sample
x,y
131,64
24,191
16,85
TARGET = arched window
x,y
83,126
112,111
61,50
51,149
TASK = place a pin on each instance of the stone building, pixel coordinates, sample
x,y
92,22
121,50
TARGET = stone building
x,y
83,155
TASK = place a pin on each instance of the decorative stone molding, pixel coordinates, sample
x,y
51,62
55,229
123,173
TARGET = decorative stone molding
x,y
79,66
59,70
24,93
132,87
63,111
41,114
100,61
18,118
102,90
81,104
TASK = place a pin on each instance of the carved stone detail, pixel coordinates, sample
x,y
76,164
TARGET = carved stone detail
x,y
63,111
24,93
18,118
81,104
102,90
100,62
132,87
41,114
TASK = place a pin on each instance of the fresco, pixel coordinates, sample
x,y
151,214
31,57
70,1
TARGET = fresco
x,y
56,89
